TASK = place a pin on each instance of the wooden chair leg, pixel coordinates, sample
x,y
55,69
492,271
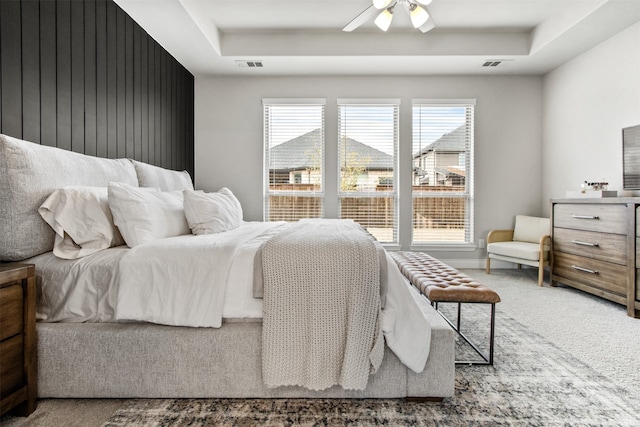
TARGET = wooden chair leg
x,y
488,267
540,274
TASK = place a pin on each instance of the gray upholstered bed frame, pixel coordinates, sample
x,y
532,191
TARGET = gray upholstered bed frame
x,y
146,360
109,360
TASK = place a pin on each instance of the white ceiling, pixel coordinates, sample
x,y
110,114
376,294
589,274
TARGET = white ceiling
x,y
305,37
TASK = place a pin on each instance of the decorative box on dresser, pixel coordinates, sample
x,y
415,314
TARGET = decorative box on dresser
x,y
596,247
18,360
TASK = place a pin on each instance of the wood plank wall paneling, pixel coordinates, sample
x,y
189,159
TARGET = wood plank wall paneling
x,y
83,76
10,59
48,78
31,70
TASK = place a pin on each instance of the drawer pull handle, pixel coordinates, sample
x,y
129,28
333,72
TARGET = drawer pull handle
x,y
586,270
586,217
578,242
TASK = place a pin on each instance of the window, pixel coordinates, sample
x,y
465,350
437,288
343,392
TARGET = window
x,y
364,174
294,159
442,177
367,152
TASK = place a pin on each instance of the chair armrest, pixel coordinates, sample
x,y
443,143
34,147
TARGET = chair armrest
x,y
545,245
499,236
545,240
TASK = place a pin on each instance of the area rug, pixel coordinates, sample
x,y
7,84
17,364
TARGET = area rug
x,y
532,383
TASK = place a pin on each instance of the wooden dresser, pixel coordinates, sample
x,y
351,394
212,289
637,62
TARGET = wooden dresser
x,y
18,359
596,247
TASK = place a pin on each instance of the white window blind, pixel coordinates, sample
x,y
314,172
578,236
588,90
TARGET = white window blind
x,y
294,159
442,184
367,153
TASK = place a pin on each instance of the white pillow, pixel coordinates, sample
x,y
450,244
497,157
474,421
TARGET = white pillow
x,y
209,213
146,214
81,218
164,179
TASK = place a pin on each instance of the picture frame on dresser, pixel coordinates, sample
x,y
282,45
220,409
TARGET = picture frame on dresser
x,y
18,346
631,158
596,248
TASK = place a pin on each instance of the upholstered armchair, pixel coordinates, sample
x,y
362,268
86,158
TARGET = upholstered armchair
x,y
528,243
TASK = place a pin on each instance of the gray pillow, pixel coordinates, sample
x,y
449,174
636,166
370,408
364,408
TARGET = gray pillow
x,y
164,179
29,173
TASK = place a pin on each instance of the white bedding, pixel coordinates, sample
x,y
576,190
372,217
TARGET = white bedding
x,y
182,280
170,281
78,290
86,289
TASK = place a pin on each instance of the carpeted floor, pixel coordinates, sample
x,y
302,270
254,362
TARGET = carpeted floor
x,y
562,358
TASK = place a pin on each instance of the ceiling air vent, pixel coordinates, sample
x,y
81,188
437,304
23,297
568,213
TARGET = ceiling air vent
x,y
250,64
492,63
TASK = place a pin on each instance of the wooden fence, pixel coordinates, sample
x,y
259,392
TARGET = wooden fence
x,y
377,212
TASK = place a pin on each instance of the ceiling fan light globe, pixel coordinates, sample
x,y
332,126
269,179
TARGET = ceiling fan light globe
x,y
381,4
424,2
383,21
418,16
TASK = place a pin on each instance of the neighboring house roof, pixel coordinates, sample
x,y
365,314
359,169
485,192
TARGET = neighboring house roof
x,y
304,151
451,170
452,142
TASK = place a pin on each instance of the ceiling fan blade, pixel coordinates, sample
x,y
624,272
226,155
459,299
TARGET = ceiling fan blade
x,y
363,17
429,25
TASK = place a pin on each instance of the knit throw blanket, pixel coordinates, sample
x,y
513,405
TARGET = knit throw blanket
x,y
321,306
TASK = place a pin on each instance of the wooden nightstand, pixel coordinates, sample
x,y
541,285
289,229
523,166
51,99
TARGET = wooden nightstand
x,y
18,359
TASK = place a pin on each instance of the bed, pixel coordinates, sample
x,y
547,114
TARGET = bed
x,y
143,319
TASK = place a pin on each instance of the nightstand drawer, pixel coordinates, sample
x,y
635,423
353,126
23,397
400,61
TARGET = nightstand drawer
x,y
599,274
11,365
18,347
11,315
602,246
603,218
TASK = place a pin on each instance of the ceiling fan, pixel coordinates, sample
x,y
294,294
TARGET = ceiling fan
x,y
420,17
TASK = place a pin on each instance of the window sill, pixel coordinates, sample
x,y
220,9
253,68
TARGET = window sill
x,y
391,246
444,247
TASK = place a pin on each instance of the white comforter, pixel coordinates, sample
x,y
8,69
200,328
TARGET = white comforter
x,y
184,281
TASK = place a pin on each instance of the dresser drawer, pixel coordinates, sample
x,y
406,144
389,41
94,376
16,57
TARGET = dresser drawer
x,y
602,275
602,246
11,365
601,218
11,316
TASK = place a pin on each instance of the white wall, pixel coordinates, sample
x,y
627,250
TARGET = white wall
x,y
586,103
508,168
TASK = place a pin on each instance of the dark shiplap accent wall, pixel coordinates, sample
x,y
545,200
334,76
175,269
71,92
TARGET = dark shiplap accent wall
x,y
83,76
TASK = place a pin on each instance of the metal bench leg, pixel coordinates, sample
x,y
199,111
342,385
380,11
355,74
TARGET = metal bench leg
x,y
486,359
493,328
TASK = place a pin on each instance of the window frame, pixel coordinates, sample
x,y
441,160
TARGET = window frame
x,y
394,193
267,103
468,193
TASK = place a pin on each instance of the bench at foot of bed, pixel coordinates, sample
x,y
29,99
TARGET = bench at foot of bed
x,y
441,283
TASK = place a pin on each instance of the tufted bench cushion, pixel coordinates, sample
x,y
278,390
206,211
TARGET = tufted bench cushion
x,y
440,282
